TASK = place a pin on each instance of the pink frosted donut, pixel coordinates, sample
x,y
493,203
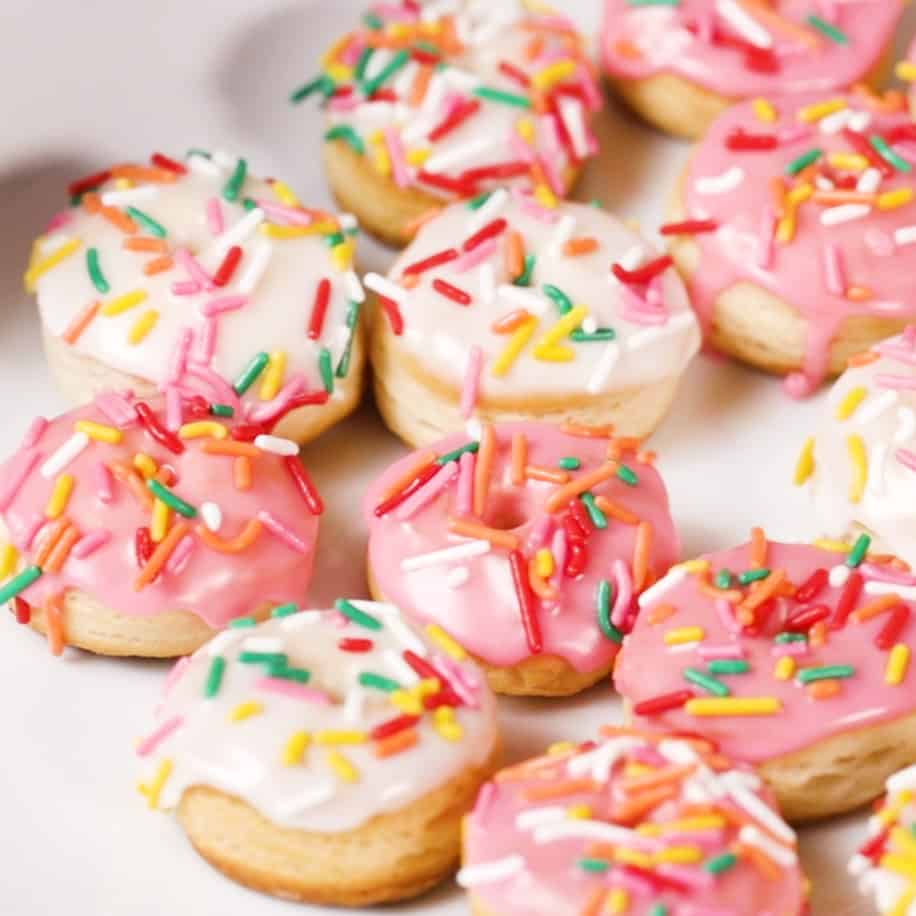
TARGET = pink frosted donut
x,y
801,221
636,824
791,657
527,546
681,64
132,528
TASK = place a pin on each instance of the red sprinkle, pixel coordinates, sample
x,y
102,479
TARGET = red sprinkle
x,y
497,172
663,703
319,308
300,475
514,73
645,273
451,292
861,145
143,546
445,183
802,621
455,118
889,635
227,268
576,559
574,529
490,231
166,162
434,260
874,848
355,645
393,502
81,185
395,318
581,516
23,609
690,227
393,726
740,139
420,665
525,601
812,586
848,598
308,399
151,424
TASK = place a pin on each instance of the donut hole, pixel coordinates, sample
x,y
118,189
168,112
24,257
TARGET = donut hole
x,y
506,510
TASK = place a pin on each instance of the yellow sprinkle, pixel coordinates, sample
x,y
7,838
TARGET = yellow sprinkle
x,y
99,431
733,706
684,635
342,767
328,736
850,162
9,557
902,865
418,156
891,812
447,725
679,855
765,110
685,825
579,812
406,702
427,687
381,159
543,563
617,901
526,129
833,546
562,329
295,748
340,73
272,380
628,856
904,902
848,406
693,566
897,664
858,455
246,711
555,353
342,256
124,303
160,523
819,110
285,194
552,74
519,340
446,642
321,227
333,52
785,668
804,466
906,71
42,266
890,200
201,428
904,840
154,789
60,496
785,231
143,325
545,197
145,465
560,747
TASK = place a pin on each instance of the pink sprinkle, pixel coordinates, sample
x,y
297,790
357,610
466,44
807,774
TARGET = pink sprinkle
x,y
484,800
624,592
909,335
694,877
58,221
533,208
224,393
794,134
150,743
540,533
180,556
833,269
464,499
34,433
398,160
90,543
790,648
175,674
117,409
292,690
644,316
446,669
729,650
17,477
290,216
475,256
632,882
223,304
194,268
798,385
185,288
104,482
471,389
898,382
655,295
31,531
179,358
520,149
264,413
285,534
215,216
558,549
345,102
593,97
206,342
727,615
887,574
707,839
174,415
907,458
767,248
429,491
351,52
396,12
895,351
552,174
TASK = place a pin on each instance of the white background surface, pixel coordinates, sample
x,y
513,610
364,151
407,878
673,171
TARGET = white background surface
x,y
85,84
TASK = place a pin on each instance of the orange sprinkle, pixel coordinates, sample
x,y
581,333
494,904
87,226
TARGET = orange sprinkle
x,y
764,590
865,358
243,540
58,556
660,777
620,445
647,457
660,613
731,595
145,243
420,85
542,589
824,690
424,460
511,322
519,458
587,432
54,620
626,48
615,510
761,861
483,468
817,635
471,529
560,789
118,218
640,805
535,47
134,481
158,265
143,173
49,539
641,553
515,255
758,548
593,904
394,744
778,195
230,447
562,495
409,281
241,473
859,293
580,246
843,197
548,475
81,322
161,554
876,607
764,11
417,223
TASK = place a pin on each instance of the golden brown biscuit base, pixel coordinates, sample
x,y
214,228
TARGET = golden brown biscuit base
x,y
392,857
80,378
538,676
421,408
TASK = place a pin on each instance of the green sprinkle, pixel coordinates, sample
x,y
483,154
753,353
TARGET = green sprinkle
x,y
215,676
326,368
243,623
251,373
859,549
249,203
710,684
233,186
599,519
828,29
356,615
913,829
723,579
604,612
507,98
343,366
147,222
729,666
721,863
285,610
559,298
803,161
19,583
596,336
349,135
455,454
880,144
222,410
570,464
393,66
263,658
753,575
790,637
594,865
171,499
475,203
378,681
627,475
197,151
299,675
659,909
808,675
95,272
361,63
335,239
373,21
307,89
524,279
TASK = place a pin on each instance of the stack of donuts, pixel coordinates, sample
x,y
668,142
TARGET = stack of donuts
x,y
205,324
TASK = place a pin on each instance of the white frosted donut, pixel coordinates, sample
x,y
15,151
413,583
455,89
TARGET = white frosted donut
x,y
521,311
324,755
181,276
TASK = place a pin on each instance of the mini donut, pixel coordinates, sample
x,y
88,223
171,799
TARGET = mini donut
x,y
633,823
525,547
860,468
791,657
680,65
436,102
324,756
132,527
883,864
198,277
794,231
519,311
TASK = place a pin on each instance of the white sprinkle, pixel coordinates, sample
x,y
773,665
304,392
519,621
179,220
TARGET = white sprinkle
x,y
224,159
720,184
905,235
834,123
844,213
353,705
744,23
385,287
300,619
212,516
487,283
902,781
384,608
222,641
858,865
606,363
664,585
461,154
457,577
67,452
760,811
53,242
257,264
860,121
571,113
354,288
537,817
869,181
310,798
750,835
907,592
906,425
400,669
475,548
201,165
838,576
678,752
488,212
561,234
276,445
490,872
587,830
526,298
377,63
875,407
463,80
632,258
347,221
236,234
874,486
600,761
263,644
130,195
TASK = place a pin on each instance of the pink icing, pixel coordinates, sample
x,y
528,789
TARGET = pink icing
x,y
696,40
815,271
214,585
648,668
552,882
569,625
